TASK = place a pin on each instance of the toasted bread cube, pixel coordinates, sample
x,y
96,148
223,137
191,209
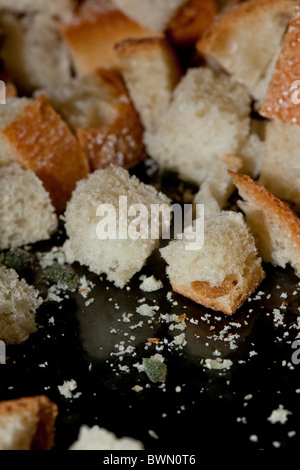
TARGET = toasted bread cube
x,y
26,212
93,32
152,14
18,305
275,226
28,423
280,172
224,273
281,101
119,258
209,116
246,39
34,51
99,110
189,23
35,136
151,71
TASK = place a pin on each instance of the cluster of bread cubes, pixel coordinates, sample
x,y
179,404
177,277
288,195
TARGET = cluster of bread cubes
x,y
182,82
93,88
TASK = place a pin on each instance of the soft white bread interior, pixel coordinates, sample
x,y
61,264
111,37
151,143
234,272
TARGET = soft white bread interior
x,y
246,40
152,14
28,423
62,9
35,136
218,186
28,41
252,151
93,32
26,212
223,274
96,438
208,117
275,226
280,171
18,304
151,71
284,86
118,258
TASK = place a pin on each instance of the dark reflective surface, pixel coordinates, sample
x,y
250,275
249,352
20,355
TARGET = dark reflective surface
x,y
100,346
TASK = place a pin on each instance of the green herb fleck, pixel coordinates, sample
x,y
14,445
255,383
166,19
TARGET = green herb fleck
x,y
16,259
64,276
155,369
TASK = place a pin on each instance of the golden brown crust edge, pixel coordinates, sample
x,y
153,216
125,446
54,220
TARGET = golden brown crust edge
x,y
214,297
250,190
42,142
120,143
279,102
45,412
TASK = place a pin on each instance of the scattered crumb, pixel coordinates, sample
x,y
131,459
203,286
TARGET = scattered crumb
x,y
150,284
217,363
279,416
68,388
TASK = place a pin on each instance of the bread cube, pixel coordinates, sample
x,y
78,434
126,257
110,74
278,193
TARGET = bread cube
x,y
18,304
118,258
225,272
208,117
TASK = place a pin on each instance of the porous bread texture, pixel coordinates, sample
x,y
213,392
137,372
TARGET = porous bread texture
x,y
280,170
151,71
35,136
97,26
99,110
283,89
223,274
26,212
18,304
207,118
119,259
13,108
246,39
62,9
152,14
27,423
218,186
33,51
275,226
96,438
252,154
83,102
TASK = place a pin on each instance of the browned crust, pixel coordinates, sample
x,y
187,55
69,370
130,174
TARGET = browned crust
x,y
279,102
232,20
145,47
120,143
43,410
11,89
42,142
190,22
141,45
98,27
213,297
270,204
